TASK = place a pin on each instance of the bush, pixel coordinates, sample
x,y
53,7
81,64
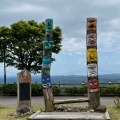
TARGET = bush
x,y
71,90
36,89
110,90
9,89
82,89
56,90
76,90
117,102
117,90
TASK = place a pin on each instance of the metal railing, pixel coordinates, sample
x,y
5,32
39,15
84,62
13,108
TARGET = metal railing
x,y
85,84
78,84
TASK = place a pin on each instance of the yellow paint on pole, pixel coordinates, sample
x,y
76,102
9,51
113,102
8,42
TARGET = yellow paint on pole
x,y
91,55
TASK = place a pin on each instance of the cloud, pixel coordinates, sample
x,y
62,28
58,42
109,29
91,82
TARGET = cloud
x,y
107,2
71,16
109,42
73,46
25,8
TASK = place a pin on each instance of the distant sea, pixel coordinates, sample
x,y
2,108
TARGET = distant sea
x,y
69,79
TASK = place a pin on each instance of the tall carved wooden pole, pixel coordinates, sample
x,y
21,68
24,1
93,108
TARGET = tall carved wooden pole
x,y
46,63
92,67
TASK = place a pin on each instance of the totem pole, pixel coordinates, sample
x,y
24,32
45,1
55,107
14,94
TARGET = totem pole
x,y
92,67
46,64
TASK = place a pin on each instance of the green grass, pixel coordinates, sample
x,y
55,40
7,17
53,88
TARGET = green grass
x,y
114,112
6,111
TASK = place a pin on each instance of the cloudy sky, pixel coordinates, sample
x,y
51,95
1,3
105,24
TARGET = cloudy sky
x,y
71,16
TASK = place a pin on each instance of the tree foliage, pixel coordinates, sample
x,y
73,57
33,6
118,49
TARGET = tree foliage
x,y
4,42
25,44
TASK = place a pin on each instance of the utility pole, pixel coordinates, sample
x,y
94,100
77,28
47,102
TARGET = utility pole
x,y
92,66
2,59
4,68
46,64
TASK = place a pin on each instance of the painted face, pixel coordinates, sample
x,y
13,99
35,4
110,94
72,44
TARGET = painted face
x,y
24,76
46,81
91,40
91,55
92,70
93,85
46,62
48,43
91,24
49,24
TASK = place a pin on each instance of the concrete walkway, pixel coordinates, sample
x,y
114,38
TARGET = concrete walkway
x,y
12,100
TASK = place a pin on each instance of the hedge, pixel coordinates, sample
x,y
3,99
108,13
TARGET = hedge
x,y
36,90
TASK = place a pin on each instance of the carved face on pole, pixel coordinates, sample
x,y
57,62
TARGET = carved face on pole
x,y
91,55
93,85
46,81
92,70
91,40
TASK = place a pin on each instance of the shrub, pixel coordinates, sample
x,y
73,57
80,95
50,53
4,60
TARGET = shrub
x,y
117,102
71,90
103,90
82,89
36,89
107,90
117,90
9,89
56,90
75,90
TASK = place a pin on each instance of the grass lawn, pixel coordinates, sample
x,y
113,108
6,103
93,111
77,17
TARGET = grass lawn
x,y
114,112
6,111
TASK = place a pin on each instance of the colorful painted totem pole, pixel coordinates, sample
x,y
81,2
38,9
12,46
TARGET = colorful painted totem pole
x,y
92,67
46,63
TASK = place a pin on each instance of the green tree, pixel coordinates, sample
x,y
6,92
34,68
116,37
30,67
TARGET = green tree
x,y
4,42
4,46
27,44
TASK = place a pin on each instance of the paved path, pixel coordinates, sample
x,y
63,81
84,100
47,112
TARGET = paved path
x,y
12,100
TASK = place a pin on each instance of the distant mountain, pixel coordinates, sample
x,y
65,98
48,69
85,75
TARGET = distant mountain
x,y
70,79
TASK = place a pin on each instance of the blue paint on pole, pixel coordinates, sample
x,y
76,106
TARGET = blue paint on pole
x,y
46,63
46,81
46,60
48,43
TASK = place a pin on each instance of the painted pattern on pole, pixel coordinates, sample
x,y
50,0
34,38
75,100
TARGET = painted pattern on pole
x,y
46,60
91,40
91,54
92,70
91,25
93,85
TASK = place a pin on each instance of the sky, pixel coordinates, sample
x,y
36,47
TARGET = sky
x,y
71,16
